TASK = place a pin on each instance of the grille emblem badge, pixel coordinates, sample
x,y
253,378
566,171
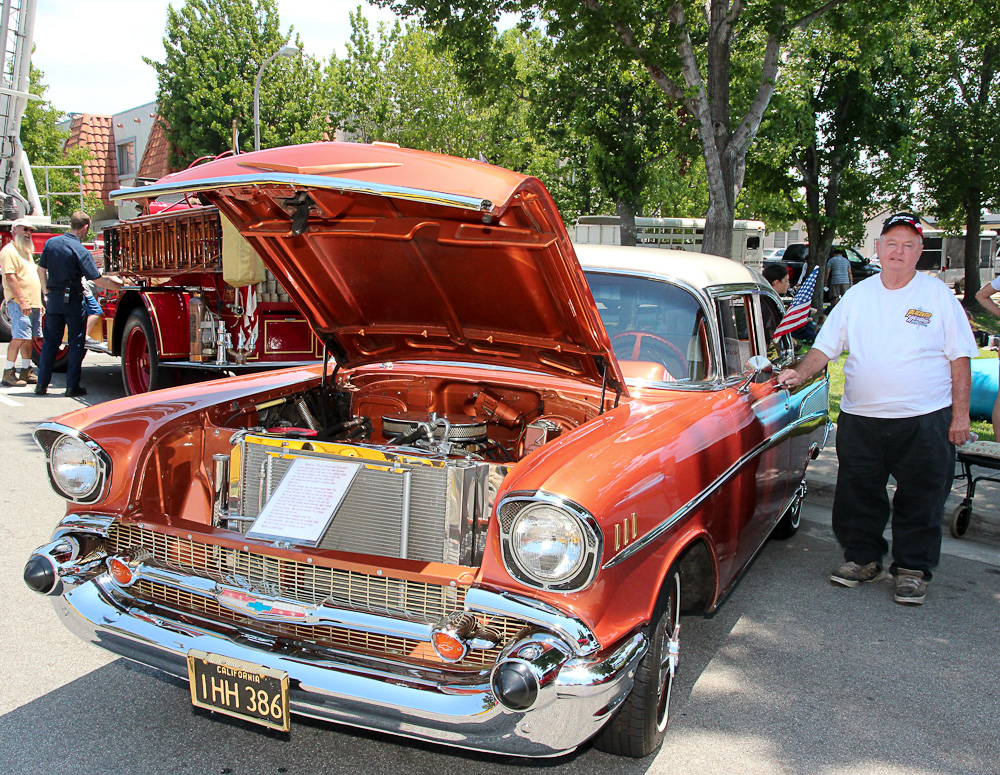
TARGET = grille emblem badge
x,y
257,607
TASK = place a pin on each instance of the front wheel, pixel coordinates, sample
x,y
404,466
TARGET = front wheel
x,y
141,367
638,726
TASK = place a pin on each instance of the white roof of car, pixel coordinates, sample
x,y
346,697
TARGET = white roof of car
x,y
698,270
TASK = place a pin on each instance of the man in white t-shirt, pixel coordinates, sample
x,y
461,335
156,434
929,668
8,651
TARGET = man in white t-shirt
x,y
905,407
985,297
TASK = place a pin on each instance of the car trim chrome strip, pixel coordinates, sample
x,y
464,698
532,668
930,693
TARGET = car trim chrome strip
x,y
728,474
265,178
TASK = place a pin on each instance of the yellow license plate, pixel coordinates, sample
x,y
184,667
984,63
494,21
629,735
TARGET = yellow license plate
x,y
241,689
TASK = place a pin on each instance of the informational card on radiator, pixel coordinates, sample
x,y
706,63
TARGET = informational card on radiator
x,y
309,494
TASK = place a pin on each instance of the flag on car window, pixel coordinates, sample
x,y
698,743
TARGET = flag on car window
x,y
798,311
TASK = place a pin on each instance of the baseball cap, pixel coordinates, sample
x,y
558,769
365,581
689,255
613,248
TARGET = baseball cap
x,y
23,222
903,219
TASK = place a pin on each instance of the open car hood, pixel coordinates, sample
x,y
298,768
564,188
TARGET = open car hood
x,y
395,254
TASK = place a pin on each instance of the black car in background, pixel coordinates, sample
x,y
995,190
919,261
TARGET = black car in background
x,y
796,255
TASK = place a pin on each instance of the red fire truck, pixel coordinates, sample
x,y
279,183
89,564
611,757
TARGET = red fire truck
x,y
198,303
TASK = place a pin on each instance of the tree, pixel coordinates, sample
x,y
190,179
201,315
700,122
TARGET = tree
x,y
214,50
43,142
606,105
959,158
685,47
836,138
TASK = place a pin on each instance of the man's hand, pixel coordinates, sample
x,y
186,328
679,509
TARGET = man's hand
x,y
788,378
958,432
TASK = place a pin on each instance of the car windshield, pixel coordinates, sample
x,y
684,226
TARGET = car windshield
x,y
657,329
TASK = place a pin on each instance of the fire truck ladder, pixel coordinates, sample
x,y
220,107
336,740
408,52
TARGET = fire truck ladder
x,y
17,21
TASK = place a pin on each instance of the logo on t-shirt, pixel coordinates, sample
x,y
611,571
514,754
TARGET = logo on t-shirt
x,y
918,317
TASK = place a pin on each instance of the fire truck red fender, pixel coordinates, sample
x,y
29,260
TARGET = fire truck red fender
x,y
168,315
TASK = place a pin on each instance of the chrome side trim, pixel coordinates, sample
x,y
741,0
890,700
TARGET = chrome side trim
x,y
265,178
47,434
728,474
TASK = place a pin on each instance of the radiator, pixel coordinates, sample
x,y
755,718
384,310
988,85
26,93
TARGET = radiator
x,y
396,506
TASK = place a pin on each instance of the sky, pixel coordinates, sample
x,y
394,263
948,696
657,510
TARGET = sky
x,y
91,51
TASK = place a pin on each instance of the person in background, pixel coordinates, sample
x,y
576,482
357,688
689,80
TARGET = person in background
x,y
985,297
905,408
838,276
64,262
94,311
777,275
22,293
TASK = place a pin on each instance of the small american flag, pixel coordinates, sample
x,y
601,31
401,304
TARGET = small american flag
x,y
798,312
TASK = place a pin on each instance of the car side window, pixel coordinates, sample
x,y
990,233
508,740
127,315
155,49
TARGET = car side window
x,y
781,350
736,326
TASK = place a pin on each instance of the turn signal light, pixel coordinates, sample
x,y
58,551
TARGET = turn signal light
x,y
448,647
120,572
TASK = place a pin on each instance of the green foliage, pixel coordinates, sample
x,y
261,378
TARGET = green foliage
x,y
834,146
214,50
959,102
686,48
43,142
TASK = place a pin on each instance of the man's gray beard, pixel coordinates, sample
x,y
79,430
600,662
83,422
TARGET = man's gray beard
x,y
24,245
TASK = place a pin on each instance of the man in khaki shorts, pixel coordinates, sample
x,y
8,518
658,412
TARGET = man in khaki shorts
x,y
22,296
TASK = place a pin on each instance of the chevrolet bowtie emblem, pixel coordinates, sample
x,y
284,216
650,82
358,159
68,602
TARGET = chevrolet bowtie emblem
x,y
258,608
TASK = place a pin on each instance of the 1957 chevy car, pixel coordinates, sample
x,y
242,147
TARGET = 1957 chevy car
x,y
479,521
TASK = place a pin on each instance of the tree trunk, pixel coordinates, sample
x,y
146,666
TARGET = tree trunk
x,y
973,222
626,219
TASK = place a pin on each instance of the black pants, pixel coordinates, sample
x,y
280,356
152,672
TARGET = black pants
x,y
917,453
62,315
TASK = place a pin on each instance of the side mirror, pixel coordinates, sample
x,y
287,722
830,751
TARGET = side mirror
x,y
757,369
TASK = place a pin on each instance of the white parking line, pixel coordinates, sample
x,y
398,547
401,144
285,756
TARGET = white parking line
x,y
8,401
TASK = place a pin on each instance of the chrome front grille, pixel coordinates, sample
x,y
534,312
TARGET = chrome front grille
x,y
411,600
372,644
394,507
305,582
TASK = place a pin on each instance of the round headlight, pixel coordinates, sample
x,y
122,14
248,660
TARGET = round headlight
x,y
74,467
548,543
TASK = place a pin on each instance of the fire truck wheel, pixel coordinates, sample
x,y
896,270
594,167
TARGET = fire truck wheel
x,y
62,355
4,323
141,368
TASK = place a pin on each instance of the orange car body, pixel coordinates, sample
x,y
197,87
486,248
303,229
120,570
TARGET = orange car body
x,y
547,440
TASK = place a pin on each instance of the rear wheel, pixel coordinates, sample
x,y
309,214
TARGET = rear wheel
x,y
638,726
141,367
789,523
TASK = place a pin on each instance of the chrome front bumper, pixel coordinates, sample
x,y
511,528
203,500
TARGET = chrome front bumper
x,y
331,686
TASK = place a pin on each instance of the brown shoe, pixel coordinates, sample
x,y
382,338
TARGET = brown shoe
x,y
28,375
10,379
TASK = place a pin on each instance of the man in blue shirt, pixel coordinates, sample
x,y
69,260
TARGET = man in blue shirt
x,y
838,276
64,262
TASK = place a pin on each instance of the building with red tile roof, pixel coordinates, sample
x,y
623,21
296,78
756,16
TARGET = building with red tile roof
x,y
100,171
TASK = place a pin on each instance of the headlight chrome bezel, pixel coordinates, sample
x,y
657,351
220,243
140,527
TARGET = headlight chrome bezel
x,y
48,435
514,506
